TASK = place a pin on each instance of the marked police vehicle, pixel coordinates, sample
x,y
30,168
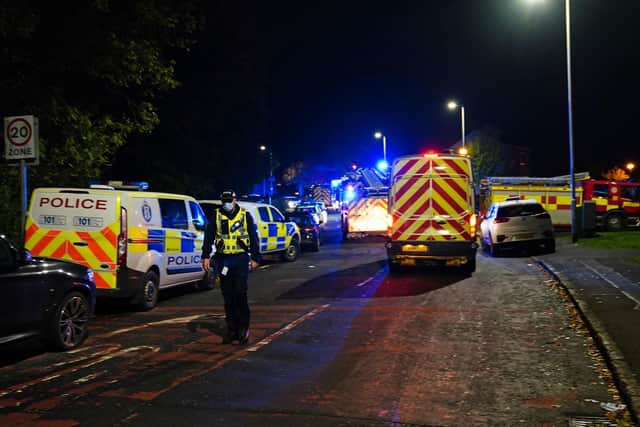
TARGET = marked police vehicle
x,y
276,235
136,242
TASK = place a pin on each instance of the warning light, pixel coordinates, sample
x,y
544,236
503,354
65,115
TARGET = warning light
x,y
430,154
382,165
354,166
463,151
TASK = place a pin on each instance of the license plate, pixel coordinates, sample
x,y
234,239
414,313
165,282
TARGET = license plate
x,y
415,248
524,236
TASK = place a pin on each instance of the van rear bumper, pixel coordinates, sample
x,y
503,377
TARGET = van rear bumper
x,y
431,252
127,283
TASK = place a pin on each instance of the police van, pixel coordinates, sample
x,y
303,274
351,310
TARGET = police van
x,y
136,242
276,235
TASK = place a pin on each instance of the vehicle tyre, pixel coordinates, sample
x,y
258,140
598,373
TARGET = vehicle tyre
x,y
207,282
393,267
293,250
614,222
470,266
147,297
316,245
493,250
550,246
68,324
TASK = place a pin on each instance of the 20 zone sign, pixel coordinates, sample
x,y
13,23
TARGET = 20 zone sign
x,y
20,138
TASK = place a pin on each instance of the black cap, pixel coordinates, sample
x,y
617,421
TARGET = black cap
x,y
228,196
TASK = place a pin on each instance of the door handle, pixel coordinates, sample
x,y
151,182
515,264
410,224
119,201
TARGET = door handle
x,y
80,244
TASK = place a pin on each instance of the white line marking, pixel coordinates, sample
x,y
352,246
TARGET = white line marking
x,y
365,282
288,327
597,273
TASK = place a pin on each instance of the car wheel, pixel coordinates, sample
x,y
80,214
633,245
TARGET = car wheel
x,y
68,325
470,266
550,246
147,297
208,281
316,245
293,250
393,267
614,222
493,250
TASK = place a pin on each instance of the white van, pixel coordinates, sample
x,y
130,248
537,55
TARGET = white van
x,y
136,242
276,235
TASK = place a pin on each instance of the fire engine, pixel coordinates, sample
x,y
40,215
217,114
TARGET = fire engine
x,y
617,203
364,194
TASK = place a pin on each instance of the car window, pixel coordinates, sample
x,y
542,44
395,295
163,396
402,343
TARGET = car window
x,y
601,190
628,192
197,214
520,210
264,214
5,255
174,214
277,216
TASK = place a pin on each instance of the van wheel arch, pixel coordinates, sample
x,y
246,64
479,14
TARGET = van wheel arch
x,y
147,294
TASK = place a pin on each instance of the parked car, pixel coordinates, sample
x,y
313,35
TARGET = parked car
x,y
312,208
309,230
290,203
44,298
516,224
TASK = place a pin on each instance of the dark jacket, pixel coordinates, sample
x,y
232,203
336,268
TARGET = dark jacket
x,y
210,234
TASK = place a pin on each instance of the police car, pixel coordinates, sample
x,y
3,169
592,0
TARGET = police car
x,y
276,235
136,242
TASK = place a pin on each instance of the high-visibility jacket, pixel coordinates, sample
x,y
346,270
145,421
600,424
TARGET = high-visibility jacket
x,y
232,235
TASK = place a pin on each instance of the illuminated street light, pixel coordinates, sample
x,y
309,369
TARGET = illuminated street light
x,y
452,105
379,135
630,166
265,148
567,16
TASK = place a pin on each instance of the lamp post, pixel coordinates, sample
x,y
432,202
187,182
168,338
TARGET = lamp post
x,y
452,105
572,176
379,135
264,148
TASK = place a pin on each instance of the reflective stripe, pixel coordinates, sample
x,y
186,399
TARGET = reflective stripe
x,y
237,227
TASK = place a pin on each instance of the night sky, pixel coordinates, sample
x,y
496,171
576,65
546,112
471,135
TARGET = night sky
x,y
326,75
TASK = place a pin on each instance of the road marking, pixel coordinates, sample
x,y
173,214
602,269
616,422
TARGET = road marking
x,y
626,294
377,273
176,320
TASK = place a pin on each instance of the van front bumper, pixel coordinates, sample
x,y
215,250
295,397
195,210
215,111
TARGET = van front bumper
x,y
431,252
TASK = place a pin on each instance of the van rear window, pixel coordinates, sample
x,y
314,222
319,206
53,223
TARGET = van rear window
x,y
520,210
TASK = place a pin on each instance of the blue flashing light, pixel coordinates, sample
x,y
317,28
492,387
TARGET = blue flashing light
x,y
335,183
349,194
382,165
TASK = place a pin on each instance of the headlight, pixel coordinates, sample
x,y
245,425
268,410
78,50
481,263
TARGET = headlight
x,y
89,275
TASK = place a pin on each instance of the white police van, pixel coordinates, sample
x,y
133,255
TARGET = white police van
x,y
136,242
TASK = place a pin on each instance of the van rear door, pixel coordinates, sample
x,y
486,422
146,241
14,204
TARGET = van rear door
x,y
431,199
77,225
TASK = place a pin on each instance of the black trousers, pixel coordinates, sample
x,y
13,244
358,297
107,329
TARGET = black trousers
x,y
234,290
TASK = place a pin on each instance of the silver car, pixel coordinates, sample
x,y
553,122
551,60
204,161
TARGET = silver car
x,y
516,224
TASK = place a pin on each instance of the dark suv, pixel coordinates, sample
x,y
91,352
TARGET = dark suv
x,y
45,298
309,229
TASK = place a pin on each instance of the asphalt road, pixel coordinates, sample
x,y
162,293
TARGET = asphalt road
x,y
335,340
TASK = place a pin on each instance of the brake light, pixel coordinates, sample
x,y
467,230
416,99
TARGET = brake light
x,y
430,154
500,220
122,237
543,215
308,229
389,220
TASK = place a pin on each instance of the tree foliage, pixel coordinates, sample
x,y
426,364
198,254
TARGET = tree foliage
x,y
93,73
615,174
486,153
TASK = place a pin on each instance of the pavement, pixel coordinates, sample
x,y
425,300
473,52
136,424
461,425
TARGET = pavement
x,y
605,287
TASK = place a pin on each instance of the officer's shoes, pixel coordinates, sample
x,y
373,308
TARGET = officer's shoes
x,y
244,337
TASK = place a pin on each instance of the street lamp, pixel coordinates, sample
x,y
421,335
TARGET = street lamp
x,y
452,105
265,148
379,135
630,167
572,176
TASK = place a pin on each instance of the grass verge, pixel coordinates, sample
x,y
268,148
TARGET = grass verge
x,y
613,240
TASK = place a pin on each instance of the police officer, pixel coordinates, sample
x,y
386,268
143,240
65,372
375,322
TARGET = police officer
x,y
234,233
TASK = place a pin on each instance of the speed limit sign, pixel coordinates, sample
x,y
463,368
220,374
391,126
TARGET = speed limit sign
x,y
21,138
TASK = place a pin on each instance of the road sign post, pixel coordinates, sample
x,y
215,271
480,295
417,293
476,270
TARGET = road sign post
x,y
21,145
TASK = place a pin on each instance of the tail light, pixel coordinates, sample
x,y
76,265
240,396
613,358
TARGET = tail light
x,y
122,237
543,215
308,229
500,220
473,221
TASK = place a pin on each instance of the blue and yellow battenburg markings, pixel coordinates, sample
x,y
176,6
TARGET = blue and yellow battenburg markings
x,y
179,245
273,241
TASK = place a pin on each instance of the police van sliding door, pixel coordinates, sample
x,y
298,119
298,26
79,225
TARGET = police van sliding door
x,y
181,258
79,226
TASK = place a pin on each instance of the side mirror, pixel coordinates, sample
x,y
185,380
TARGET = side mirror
x,y
199,225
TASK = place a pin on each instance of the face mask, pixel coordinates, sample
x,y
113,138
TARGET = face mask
x,y
228,207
